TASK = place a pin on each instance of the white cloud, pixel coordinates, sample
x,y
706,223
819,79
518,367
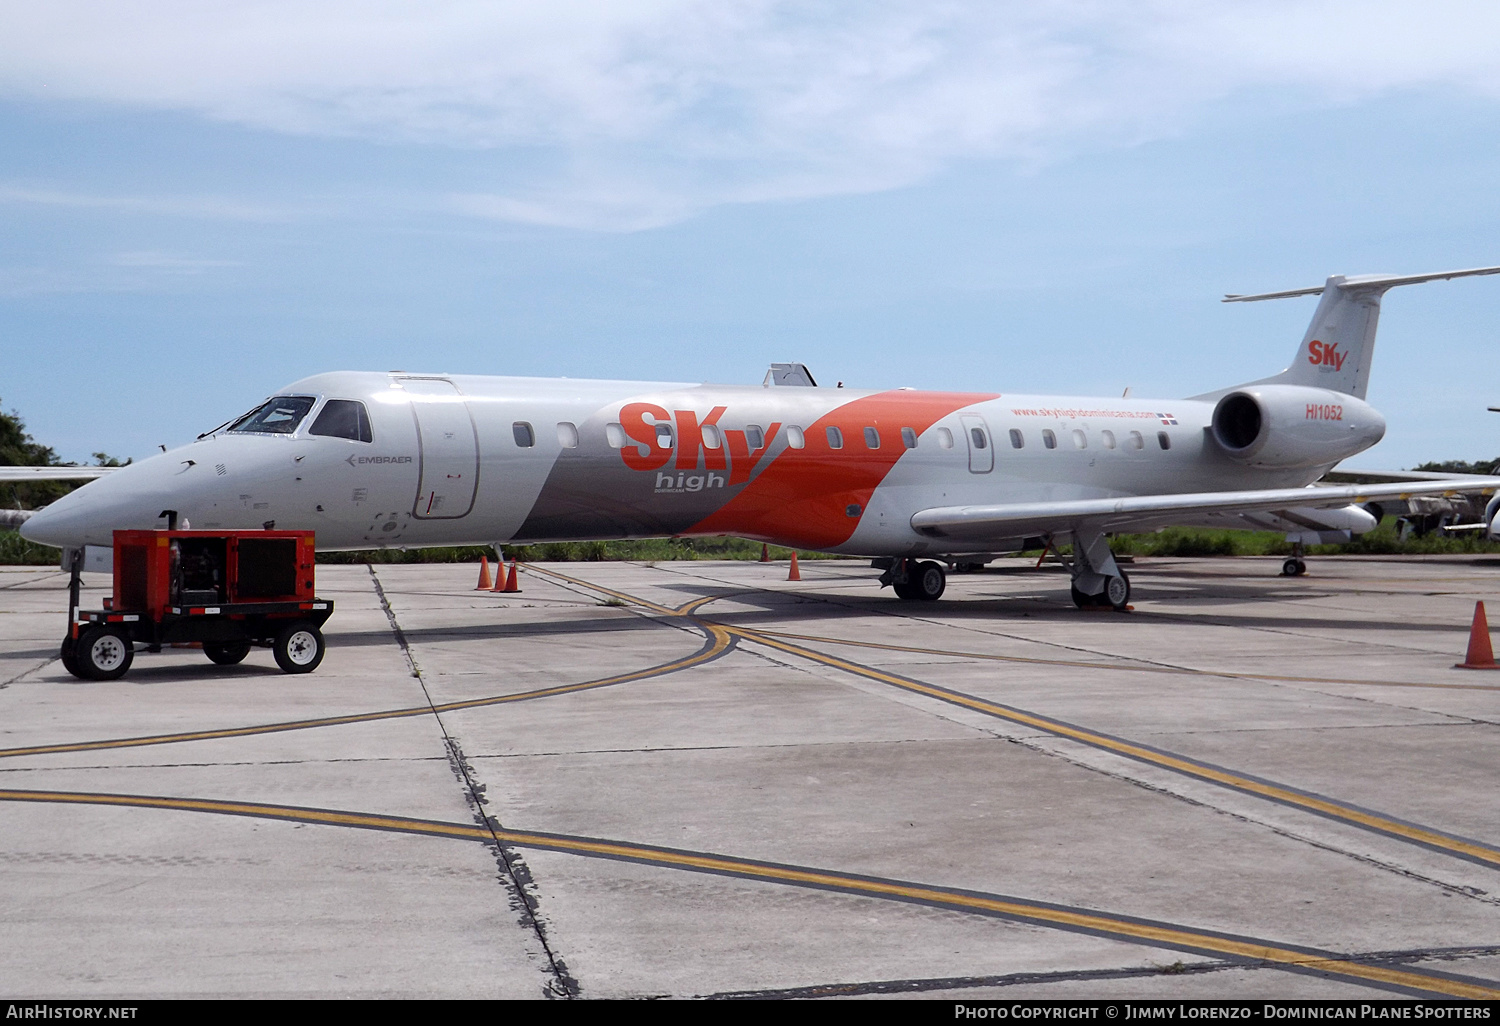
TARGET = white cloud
x,y
650,110
209,207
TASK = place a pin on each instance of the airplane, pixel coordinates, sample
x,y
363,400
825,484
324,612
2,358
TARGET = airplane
x,y
914,479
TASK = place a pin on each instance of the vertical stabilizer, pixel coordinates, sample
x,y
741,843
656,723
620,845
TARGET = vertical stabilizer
x,y
1336,351
1340,342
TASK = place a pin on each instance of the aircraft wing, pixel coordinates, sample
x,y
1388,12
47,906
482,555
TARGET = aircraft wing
x,y
53,473
1147,512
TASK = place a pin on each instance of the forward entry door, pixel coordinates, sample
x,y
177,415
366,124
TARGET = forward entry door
x,y
450,449
981,452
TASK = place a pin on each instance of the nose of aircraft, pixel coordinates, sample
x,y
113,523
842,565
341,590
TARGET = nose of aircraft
x,y
131,497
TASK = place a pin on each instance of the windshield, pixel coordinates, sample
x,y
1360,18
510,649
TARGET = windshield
x,y
279,416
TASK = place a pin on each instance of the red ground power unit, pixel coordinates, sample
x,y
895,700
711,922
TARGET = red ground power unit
x,y
225,590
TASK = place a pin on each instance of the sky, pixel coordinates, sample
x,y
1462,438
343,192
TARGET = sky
x,y
201,202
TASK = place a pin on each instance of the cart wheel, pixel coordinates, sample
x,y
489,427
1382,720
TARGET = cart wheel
x,y
103,653
226,653
299,648
69,656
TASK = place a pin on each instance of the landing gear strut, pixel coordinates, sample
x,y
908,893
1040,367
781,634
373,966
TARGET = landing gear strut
x,y
1294,566
916,581
1097,579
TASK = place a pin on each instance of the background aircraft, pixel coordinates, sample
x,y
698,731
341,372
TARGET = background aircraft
x,y
910,477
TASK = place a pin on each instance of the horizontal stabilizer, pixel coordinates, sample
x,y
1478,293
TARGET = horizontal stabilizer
x,y
1146,512
1366,281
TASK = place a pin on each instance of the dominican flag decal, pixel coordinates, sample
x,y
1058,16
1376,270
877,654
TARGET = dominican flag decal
x,y
1168,419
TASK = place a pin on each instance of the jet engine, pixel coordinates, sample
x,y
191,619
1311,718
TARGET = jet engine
x,y
1292,426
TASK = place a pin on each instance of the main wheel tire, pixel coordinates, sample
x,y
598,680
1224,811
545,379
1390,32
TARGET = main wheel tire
x,y
299,648
103,653
1117,592
226,653
1293,567
69,656
1083,601
929,581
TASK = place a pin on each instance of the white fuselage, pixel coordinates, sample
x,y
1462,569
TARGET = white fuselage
x,y
460,459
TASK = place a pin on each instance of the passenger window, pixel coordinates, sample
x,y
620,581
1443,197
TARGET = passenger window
x,y
1016,441
1136,441
1080,440
614,434
977,437
872,438
794,437
711,437
755,436
835,438
945,438
909,437
1164,440
525,438
343,418
1109,439
1048,438
567,435
279,416
664,436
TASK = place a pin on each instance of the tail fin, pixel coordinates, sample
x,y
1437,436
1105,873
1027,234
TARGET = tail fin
x,y
1340,342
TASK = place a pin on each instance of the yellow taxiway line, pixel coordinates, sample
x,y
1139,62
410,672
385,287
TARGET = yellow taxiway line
x,y
1465,848
1122,928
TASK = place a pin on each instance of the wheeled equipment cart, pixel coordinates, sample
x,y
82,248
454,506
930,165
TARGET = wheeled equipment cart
x,y
225,590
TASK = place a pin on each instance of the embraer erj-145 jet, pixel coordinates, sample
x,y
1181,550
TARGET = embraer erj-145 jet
x,y
909,477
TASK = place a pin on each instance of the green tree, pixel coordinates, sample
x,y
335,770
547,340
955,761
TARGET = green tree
x,y
1460,467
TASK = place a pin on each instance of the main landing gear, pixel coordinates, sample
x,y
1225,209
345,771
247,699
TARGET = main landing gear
x,y
1098,582
922,581
1294,566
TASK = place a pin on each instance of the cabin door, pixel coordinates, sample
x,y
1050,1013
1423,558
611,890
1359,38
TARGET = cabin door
x,y
450,449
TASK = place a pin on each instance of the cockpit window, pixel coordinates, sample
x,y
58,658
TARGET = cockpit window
x,y
279,416
343,418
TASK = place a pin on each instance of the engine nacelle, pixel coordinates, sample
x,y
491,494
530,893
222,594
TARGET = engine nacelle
x,y
1290,426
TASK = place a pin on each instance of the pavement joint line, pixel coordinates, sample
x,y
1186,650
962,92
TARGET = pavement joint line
x,y
1143,668
512,865
1435,840
27,672
1128,929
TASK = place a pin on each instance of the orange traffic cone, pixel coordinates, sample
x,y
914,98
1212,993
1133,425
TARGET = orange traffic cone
x,y
511,584
795,574
765,553
485,584
1481,656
